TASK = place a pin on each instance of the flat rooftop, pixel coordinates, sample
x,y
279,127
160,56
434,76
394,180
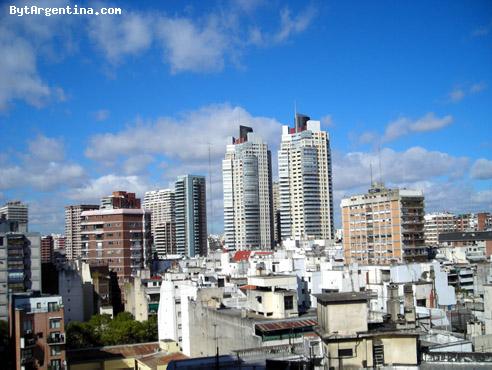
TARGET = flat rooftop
x,y
342,297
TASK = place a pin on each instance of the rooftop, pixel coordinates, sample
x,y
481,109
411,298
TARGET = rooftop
x,y
109,352
342,297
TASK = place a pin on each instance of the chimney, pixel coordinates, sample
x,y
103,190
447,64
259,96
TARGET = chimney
x,y
409,308
393,302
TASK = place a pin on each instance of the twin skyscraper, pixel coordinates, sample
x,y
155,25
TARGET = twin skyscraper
x,y
259,213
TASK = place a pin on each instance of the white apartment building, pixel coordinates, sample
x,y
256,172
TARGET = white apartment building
x,y
436,223
16,211
305,181
163,220
247,182
73,243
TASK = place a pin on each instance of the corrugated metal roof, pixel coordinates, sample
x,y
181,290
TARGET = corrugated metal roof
x,y
283,325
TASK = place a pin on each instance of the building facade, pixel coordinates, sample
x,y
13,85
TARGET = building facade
x,y
247,181
20,262
73,244
191,215
47,248
117,238
16,211
38,331
384,226
437,223
305,181
162,205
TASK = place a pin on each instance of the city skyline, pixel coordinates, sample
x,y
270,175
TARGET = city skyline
x,y
106,104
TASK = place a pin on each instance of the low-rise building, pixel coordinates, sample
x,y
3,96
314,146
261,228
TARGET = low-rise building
x,y
352,344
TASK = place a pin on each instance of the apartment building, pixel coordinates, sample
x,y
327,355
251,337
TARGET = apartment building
x,y
247,181
437,223
162,205
37,331
191,215
16,211
47,248
73,243
20,263
117,238
384,226
305,181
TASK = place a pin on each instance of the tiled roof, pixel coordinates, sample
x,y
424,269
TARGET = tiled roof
x,y
108,352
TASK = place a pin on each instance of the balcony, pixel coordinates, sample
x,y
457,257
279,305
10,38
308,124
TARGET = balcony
x,y
27,341
56,339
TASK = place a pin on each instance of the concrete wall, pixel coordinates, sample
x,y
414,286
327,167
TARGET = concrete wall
x,y
333,318
70,287
400,350
487,304
210,327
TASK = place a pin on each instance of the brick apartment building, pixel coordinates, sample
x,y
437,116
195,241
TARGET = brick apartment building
x,y
119,238
37,331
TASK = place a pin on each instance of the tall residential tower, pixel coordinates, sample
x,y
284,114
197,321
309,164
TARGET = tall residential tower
x,y
161,203
247,180
305,181
191,215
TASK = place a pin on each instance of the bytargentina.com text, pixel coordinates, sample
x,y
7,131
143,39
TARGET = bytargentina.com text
x,y
67,10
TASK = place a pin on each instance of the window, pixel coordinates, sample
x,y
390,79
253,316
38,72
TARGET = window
x,y
27,325
55,350
345,352
289,302
55,323
53,306
55,364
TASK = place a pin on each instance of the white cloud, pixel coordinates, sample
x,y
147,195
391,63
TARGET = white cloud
x,y
190,47
137,164
186,138
327,121
102,186
477,87
403,126
101,115
352,170
459,93
44,148
42,167
18,72
482,169
119,36
293,25
456,95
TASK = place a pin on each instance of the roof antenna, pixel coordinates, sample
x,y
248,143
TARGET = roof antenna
x,y
380,171
211,190
372,182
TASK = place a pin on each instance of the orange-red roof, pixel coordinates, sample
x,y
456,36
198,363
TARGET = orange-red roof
x,y
241,256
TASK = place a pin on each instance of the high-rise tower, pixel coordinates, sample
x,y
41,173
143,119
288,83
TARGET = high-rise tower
x,y
191,215
305,181
247,180
161,203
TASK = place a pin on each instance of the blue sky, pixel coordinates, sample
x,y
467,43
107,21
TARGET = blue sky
x,y
93,104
